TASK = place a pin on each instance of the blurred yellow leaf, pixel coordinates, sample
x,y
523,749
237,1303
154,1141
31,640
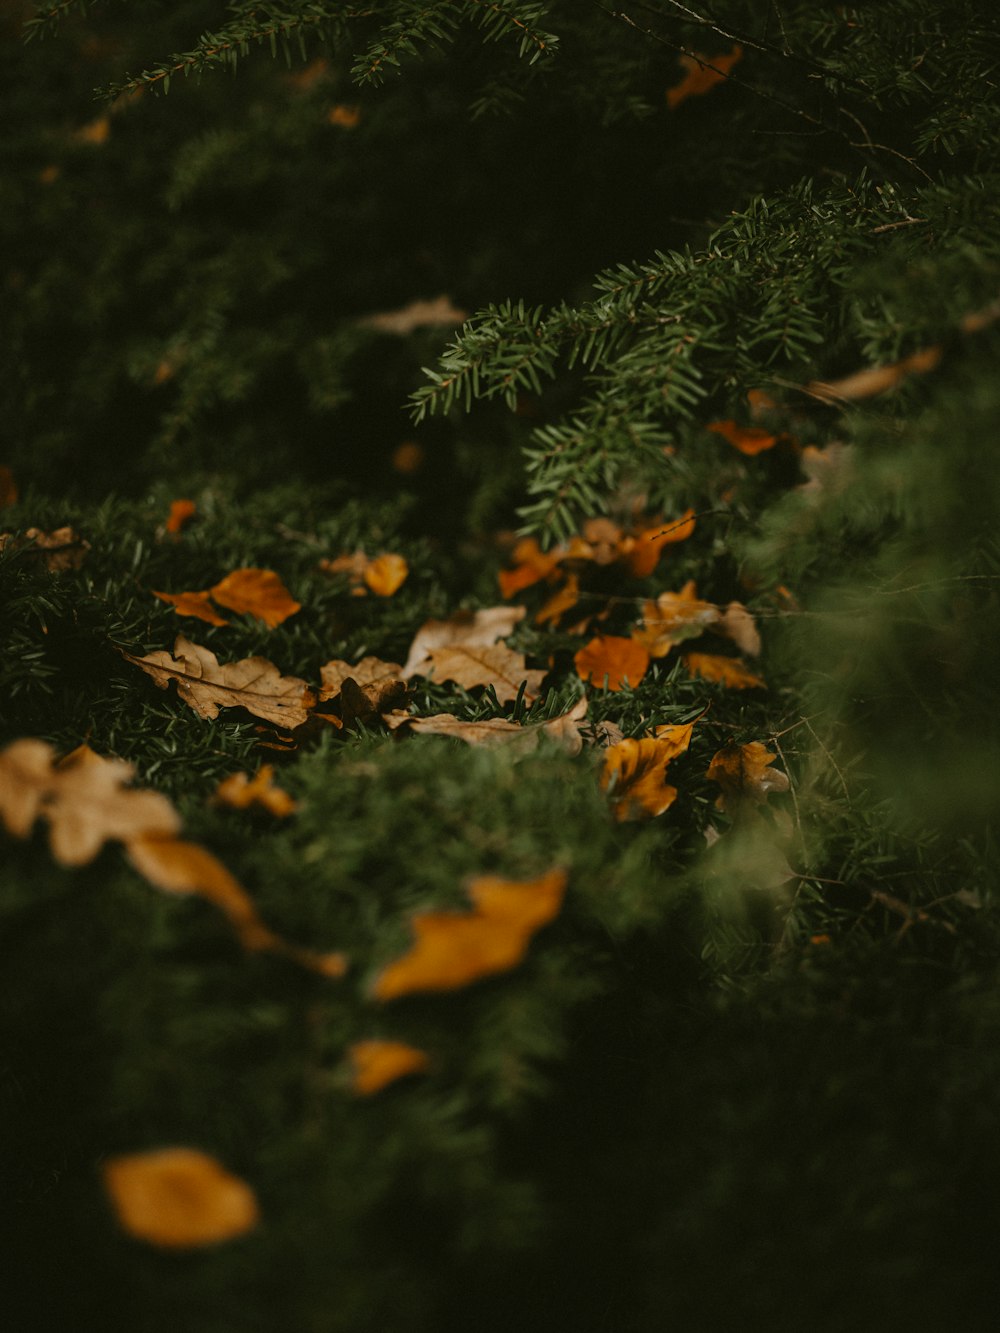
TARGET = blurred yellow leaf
x,y
620,661
728,671
179,1198
241,792
375,1064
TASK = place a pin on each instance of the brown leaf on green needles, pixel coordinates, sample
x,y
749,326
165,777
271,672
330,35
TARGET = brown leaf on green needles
x,y
635,772
565,730
481,628
744,774
471,665
58,550
206,685
364,691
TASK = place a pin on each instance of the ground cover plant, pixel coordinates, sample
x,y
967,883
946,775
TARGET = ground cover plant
x,y
498,738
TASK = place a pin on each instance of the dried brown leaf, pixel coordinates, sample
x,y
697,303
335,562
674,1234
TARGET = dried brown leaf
x,y
470,665
416,315
744,774
256,592
241,792
473,628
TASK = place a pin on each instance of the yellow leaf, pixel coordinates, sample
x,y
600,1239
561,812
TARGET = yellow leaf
x,y
559,603
375,1064
206,685
635,772
728,671
386,574
744,774
179,1198
256,592
84,799
453,949
532,566
241,792
620,661
195,604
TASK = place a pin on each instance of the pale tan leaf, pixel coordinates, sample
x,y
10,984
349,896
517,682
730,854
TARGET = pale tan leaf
x,y
564,730
206,685
369,671
738,624
416,315
470,665
472,628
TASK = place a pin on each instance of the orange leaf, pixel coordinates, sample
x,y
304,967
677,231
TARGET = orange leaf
x,y
672,618
95,132
180,512
636,770
452,949
533,565
749,440
643,553
559,603
407,458
743,773
8,487
728,671
241,792
700,78
256,592
386,574
348,117
179,1198
621,661
378,1063
196,604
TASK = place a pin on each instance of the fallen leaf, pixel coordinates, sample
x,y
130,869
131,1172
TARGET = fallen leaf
x,y
830,470
564,730
750,440
672,618
532,566
728,671
452,949
386,574
206,685
181,512
256,592
481,628
610,662
416,315
60,550
95,132
470,665
737,623
375,1064
635,772
347,116
8,487
559,603
241,792
178,1198
703,73
874,380
196,604
604,538
744,774
185,867
369,671
641,550
84,798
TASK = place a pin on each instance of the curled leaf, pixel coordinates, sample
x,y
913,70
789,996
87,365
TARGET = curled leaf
x,y
453,949
635,772
744,774
470,665
179,1198
241,792
672,618
196,604
375,1064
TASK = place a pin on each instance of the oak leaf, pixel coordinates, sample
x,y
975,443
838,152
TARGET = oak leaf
x,y
610,661
703,73
469,665
206,685
84,799
179,1198
453,949
481,628
241,792
375,1064
369,671
635,772
672,618
744,774
256,592
728,671
564,730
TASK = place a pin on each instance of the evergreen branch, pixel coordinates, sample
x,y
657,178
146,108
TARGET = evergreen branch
x,y
47,19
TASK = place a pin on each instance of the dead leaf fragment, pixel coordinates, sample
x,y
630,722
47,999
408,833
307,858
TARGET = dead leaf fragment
x,y
874,380
95,132
738,624
346,115
256,592
206,685
179,1198
559,603
703,73
611,662
416,315
181,512
84,798
241,792
830,470
375,1064
635,772
481,628
641,551
195,604
744,774
470,665
728,671
61,549
532,565
8,487
672,618
564,730
386,574
452,949
749,440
